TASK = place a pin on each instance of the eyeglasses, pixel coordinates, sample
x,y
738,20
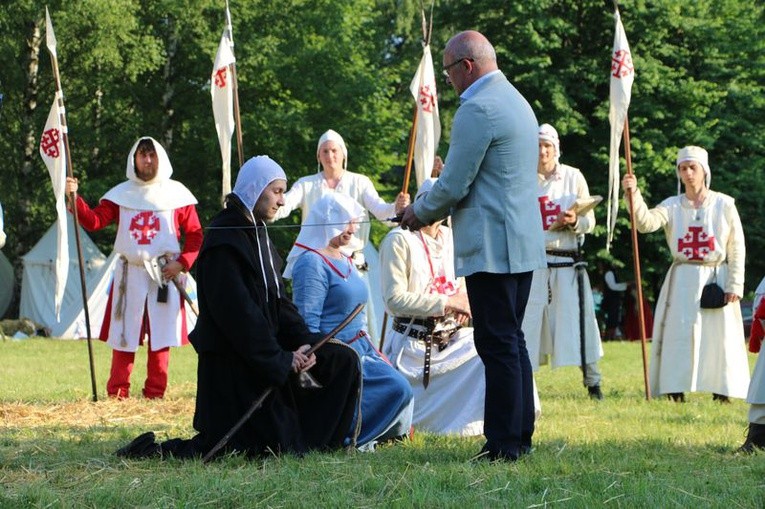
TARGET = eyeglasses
x,y
446,68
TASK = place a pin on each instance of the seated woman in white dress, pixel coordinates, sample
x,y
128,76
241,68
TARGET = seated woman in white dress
x,y
326,288
429,343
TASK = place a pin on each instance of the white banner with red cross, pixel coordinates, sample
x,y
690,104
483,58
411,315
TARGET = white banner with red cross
x,y
622,76
222,91
423,88
53,155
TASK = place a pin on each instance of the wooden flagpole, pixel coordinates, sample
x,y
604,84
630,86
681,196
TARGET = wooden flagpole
x,y
410,152
636,262
235,89
50,41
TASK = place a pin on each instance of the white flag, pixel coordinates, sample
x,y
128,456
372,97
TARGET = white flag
x,y
428,134
222,91
622,76
54,157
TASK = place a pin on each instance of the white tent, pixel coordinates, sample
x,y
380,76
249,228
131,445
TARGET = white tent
x,y
38,283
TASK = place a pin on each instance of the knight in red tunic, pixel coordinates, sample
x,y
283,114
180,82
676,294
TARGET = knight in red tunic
x,y
151,212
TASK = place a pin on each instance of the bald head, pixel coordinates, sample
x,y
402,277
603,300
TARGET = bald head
x,y
478,56
472,44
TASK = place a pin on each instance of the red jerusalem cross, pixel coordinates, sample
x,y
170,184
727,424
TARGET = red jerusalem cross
x,y
621,64
427,99
549,210
220,77
144,227
49,142
696,244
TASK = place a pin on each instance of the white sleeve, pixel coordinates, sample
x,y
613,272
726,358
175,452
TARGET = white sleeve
x,y
372,201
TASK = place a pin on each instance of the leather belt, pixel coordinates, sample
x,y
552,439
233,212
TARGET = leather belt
x,y
564,254
403,326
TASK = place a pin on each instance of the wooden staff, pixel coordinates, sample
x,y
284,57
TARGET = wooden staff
x,y
410,152
50,41
235,90
259,401
636,262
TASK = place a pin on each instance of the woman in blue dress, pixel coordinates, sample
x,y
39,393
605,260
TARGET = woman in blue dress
x,y
326,287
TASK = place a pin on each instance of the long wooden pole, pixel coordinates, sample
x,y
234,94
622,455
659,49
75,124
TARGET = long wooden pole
x,y
235,90
410,152
51,45
636,262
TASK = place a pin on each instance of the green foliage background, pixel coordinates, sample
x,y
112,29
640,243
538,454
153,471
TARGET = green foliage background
x,y
142,67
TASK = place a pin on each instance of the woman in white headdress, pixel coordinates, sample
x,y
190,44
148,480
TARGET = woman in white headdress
x,y
326,288
333,177
697,349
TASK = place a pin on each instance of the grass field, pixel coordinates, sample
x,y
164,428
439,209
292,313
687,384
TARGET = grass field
x,y
56,448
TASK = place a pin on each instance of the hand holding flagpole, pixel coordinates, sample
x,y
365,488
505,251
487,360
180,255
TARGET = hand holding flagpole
x,y
54,149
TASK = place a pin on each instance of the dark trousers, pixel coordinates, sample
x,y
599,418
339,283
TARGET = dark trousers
x,y
498,303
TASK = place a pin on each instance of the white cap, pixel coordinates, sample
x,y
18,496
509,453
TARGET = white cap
x,y
548,133
698,154
331,135
254,176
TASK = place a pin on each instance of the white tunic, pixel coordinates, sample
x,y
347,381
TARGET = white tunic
x,y
698,349
143,235
453,403
551,322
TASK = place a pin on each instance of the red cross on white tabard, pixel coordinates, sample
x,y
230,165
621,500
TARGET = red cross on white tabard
x,y
696,244
549,210
144,227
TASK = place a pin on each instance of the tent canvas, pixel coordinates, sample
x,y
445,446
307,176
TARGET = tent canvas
x,y
38,283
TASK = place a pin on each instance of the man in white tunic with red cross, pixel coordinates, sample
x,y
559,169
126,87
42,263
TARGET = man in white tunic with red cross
x,y
151,212
560,324
695,348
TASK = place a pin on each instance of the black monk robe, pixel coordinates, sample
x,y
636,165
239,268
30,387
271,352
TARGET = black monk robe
x,y
245,335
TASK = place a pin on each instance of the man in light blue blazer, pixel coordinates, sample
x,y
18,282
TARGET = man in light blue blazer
x,y
489,186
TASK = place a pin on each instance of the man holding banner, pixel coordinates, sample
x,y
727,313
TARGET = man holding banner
x,y
151,211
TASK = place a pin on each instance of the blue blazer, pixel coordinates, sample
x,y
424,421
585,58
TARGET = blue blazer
x,y
489,183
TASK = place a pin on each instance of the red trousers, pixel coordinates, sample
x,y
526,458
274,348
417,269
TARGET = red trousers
x,y
118,385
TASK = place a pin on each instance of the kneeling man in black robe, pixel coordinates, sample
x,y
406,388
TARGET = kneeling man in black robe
x,y
249,337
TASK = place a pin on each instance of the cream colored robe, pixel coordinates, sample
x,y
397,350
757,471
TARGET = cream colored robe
x,y
552,328
698,349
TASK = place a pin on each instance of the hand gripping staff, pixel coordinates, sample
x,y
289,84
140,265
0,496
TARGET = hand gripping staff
x,y
259,401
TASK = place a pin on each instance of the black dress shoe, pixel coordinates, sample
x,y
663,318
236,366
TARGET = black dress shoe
x,y
142,446
720,398
755,438
595,392
677,397
487,454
